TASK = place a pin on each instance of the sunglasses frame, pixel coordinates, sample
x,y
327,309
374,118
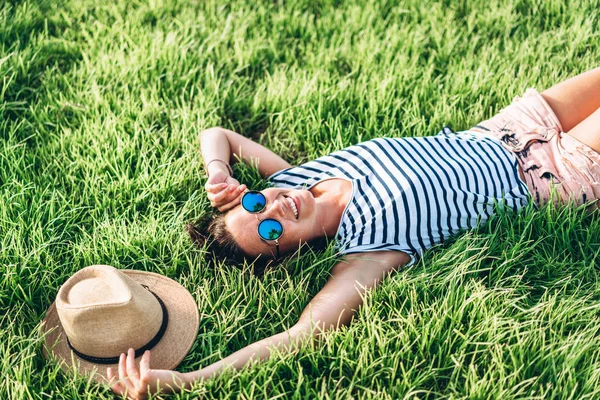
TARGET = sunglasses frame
x,y
262,220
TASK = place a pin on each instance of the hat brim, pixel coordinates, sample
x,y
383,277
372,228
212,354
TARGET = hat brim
x,y
176,342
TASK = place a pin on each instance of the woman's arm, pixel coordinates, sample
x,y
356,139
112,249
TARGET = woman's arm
x,y
219,148
332,307
222,144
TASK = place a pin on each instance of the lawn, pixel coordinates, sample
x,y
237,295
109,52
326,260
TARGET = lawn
x,y
101,105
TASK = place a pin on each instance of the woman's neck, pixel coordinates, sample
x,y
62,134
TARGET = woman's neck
x,y
332,197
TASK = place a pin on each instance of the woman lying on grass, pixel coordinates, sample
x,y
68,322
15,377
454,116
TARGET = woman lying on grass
x,y
387,200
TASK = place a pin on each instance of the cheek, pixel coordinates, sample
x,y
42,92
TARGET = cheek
x,y
289,238
296,233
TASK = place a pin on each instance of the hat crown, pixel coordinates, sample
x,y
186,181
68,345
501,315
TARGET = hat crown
x,y
104,312
97,290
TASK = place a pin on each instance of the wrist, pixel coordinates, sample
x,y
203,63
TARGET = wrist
x,y
218,165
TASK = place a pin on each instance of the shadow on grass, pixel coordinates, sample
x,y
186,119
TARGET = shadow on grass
x,y
36,58
534,251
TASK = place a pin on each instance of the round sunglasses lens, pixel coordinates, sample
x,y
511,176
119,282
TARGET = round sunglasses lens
x,y
270,229
254,202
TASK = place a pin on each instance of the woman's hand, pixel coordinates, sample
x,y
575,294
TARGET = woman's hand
x,y
139,384
223,190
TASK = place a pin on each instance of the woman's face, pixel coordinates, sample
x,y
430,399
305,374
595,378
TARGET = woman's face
x,y
296,229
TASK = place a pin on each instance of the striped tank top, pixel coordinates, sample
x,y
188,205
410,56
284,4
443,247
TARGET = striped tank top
x,y
409,194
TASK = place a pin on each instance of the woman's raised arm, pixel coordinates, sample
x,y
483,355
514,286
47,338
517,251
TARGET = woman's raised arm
x,y
223,144
220,147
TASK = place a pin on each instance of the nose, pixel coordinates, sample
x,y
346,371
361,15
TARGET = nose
x,y
275,206
275,209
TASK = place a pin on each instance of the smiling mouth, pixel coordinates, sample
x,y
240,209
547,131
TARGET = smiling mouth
x,y
292,206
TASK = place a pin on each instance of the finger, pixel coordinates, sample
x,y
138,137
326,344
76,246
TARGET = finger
x,y
144,368
223,201
222,192
232,200
123,374
230,205
115,386
220,198
232,190
215,188
212,197
132,371
233,194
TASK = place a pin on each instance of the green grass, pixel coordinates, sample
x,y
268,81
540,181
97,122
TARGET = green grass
x,y
101,104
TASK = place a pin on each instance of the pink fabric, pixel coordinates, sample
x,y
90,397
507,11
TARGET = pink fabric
x,y
550,159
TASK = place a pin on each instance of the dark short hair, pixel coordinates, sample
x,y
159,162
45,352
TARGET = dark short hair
x,y
210,232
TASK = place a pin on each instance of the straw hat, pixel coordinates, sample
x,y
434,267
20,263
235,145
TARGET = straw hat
x,y
101,312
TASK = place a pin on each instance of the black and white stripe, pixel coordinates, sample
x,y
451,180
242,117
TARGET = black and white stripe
x,y
412,193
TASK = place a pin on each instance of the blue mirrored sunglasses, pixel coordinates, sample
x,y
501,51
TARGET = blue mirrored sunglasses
x,y
255,202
